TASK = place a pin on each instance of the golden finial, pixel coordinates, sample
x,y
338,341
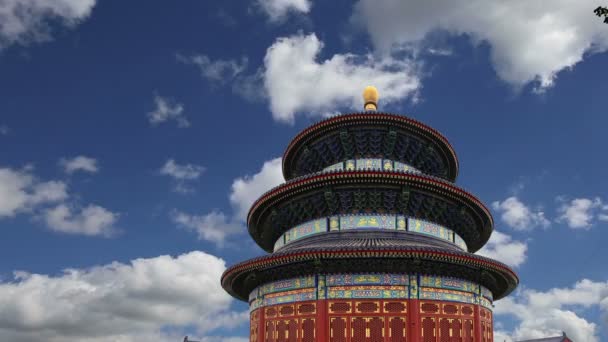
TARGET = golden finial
x,y
370,98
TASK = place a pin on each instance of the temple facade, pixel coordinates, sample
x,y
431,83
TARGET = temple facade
x,y
370,240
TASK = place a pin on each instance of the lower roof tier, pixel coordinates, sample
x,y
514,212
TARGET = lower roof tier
x,y
371,192
364,255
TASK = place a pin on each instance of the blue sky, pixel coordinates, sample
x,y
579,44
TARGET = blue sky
x,y
135,135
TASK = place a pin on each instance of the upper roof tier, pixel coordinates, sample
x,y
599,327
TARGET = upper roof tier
x,y
370,134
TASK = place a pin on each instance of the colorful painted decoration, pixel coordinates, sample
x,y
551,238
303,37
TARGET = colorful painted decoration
x,y
368,286
460,242
366,279
371,164
367,221
448,295
367,292
290,297
435,230
306,229
288,284
372,221
486,293
280,242
448,283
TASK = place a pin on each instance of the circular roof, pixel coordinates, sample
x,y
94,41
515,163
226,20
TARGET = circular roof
x,y
370,135
343,192
366,254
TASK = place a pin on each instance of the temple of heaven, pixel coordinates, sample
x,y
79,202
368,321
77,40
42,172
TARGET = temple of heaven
x,y
370,240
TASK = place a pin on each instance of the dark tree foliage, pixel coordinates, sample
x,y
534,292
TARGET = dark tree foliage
x,y
602,12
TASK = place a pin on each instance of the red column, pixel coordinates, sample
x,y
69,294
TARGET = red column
x,y
322,323
261,325
477,324
413,318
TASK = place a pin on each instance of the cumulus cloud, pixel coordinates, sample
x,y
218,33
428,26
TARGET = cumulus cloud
x,y
544,314
247,189
24,21
580,213
277,10
182,174
79,163
20,191
91,220
217,226
133,302
297,81
167,110
214,227
529,41
504,249
519,216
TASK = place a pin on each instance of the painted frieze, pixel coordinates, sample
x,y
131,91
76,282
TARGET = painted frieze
x,y
448,283
428,228
486,293
306,229
288,284
446,295
369,164
290,296
366,292
366,279
367,221
460,242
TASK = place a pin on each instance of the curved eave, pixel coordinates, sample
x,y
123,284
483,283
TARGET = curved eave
x,y
373,117
234,278
320,180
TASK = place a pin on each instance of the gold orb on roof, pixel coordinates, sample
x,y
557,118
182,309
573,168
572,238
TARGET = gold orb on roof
x,y
370,98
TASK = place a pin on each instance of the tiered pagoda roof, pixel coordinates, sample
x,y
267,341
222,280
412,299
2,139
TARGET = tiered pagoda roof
x,y
369,167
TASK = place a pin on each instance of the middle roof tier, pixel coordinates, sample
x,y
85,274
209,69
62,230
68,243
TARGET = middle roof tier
x,y
332,193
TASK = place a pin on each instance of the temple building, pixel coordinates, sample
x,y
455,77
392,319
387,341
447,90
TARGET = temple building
x,y
370,240
562,338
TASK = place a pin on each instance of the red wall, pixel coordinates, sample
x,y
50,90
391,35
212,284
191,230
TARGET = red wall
x,y
392,320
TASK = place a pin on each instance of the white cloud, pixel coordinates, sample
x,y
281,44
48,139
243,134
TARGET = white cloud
x,y
518,216
24,21
167,110
529,40
504,249
92,220
296,81
221,71
544,314
79,163
4,130
131,302
247,189
277,10
580,212
20,191
182,175
214,227
181,172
